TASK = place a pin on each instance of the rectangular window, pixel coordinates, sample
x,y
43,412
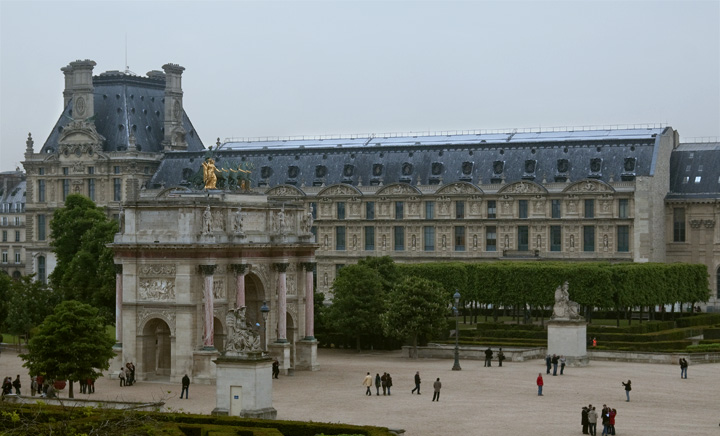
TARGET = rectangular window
x,y
523,208
678,224
41,191
369,238
429,238
116,169
65,188
313,210
460,238
555,238
399,209
116,190
17,256
623,208
589,208
399,232
313,230
341,210
4,256
17,220
41,227
588,238
491,210
429,210
91,189
523,238
623,239
41,269
459,210
340,238
4,235
4,221
491,238
370,210
556,209
17,235
65,171
41,171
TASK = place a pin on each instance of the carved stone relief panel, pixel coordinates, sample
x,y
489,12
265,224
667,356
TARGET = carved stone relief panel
x,y
158,289
219,291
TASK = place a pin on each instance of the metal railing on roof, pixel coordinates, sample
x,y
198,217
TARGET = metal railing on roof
x,y
699,139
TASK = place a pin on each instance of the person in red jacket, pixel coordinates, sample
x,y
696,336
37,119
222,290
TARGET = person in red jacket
x,y
540,384
612,414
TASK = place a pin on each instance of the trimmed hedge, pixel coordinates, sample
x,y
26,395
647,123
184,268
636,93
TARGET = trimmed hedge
x,y
704,319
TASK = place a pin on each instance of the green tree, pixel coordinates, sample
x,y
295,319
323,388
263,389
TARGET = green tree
x,y
85,269
358,302
417,306
71,344
5,283
29,301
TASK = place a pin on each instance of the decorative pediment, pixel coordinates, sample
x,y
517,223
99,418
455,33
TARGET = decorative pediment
x,y
398,189
589,186
284,191
339,189
80,132
459,188
523,187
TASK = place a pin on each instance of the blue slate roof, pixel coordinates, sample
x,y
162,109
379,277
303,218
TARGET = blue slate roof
x,y
695,171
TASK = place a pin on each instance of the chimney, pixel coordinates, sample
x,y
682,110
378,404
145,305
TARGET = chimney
x,y
174,132
83,100
68,92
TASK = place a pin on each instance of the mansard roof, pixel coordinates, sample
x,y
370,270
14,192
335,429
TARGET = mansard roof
x,y
124,104
695,171
477,158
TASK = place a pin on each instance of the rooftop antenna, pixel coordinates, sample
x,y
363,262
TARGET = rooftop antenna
x,y
127,67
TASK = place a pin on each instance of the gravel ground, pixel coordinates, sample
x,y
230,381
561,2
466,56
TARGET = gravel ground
x,y
473,401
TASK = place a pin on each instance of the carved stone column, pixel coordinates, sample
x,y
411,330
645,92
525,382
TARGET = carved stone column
x,y
309,300
282,301
240,270
209,328
118,303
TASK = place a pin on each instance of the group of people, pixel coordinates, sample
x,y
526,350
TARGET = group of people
x,y
589,419
489,356
126,375
551,362
385,382
9,384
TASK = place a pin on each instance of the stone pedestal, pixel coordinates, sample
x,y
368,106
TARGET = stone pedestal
x,y
568,338
244,386
204,370
306,355
281,351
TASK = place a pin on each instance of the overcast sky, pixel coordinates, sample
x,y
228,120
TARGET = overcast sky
x,y
259,69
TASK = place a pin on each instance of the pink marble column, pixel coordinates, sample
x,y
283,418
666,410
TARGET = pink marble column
x,y
309,301
209,326
118,303
282,302
240,270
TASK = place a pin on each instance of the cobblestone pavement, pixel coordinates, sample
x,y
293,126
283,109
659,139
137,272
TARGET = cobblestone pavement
x,y
473,401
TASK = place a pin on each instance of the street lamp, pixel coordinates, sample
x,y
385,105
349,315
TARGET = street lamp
x,y
264,310
456,365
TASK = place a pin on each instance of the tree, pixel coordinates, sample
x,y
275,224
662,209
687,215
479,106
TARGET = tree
x,y
85,269
358,302
71,344
29,301
5,284
417,306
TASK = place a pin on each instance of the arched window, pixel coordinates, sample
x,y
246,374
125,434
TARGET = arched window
x,y
41,276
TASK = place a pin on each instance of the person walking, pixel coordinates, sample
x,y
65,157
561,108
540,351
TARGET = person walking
x,y
378,383
33,385
488,357
592,421
275,368
16,384
388,381
683,367
628,388
540,384
383,382
584,419
611,422
501,357
417,383
436,387
121,376
185,387
554,361
562,365
548,363
605,416
368,384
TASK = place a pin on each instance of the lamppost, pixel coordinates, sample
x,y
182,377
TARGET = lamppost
x,y
265,311
456,365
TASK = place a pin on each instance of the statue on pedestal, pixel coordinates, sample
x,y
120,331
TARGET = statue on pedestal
x,y
242,337
564,308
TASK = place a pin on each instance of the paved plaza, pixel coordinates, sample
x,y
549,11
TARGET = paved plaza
x,y
474,401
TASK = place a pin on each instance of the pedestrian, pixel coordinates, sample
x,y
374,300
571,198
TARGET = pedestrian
x,y
584,419
611,421
122,376
275,368
33,385
83,385
683,367
367,382
7,386
132,372
605,415
548,363
436,386
388,381
554,361
594,342
90,385
562,365
488,357
628,388
186,387
501,357
417,383
378,382
592,421
383,381
540,384
16,384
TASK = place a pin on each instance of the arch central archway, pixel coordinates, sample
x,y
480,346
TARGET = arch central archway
x,y
254,297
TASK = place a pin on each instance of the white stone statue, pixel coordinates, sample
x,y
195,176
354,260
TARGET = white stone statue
x,y
564,308
207,221
241,337
238,221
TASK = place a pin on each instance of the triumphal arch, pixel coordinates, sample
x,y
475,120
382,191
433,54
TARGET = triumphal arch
x,y
185,258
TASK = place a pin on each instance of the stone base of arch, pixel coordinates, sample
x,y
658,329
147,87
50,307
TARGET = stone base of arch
x,y
306,357
204,370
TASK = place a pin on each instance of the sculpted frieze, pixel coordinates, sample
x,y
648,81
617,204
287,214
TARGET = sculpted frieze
x,y
156,289
157,270
458,188
589,186
522,188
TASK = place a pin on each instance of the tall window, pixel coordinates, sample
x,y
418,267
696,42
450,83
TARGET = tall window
x,y
678,224
340,238
17,235
429,210
4,256
523,208
491,210
556,209
523,238
459,209
369,237
491,238
116,169
370,210
17,256
41,276
41,227
17,220
588,238
41,191
460,238
341,210
429,238
555,238
91,189
117,196
399,232
399,209
313,209
589,208
65,188
623,208
4,235
623,239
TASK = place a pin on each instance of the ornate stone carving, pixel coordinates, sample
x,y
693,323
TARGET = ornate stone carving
x,y
242,337
240,268
145,314
564,309
291,284
219,290
589,186
156,289
284,191
522,188
292,310
339,190
157,270
457,188
398,189
207,270
218,221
